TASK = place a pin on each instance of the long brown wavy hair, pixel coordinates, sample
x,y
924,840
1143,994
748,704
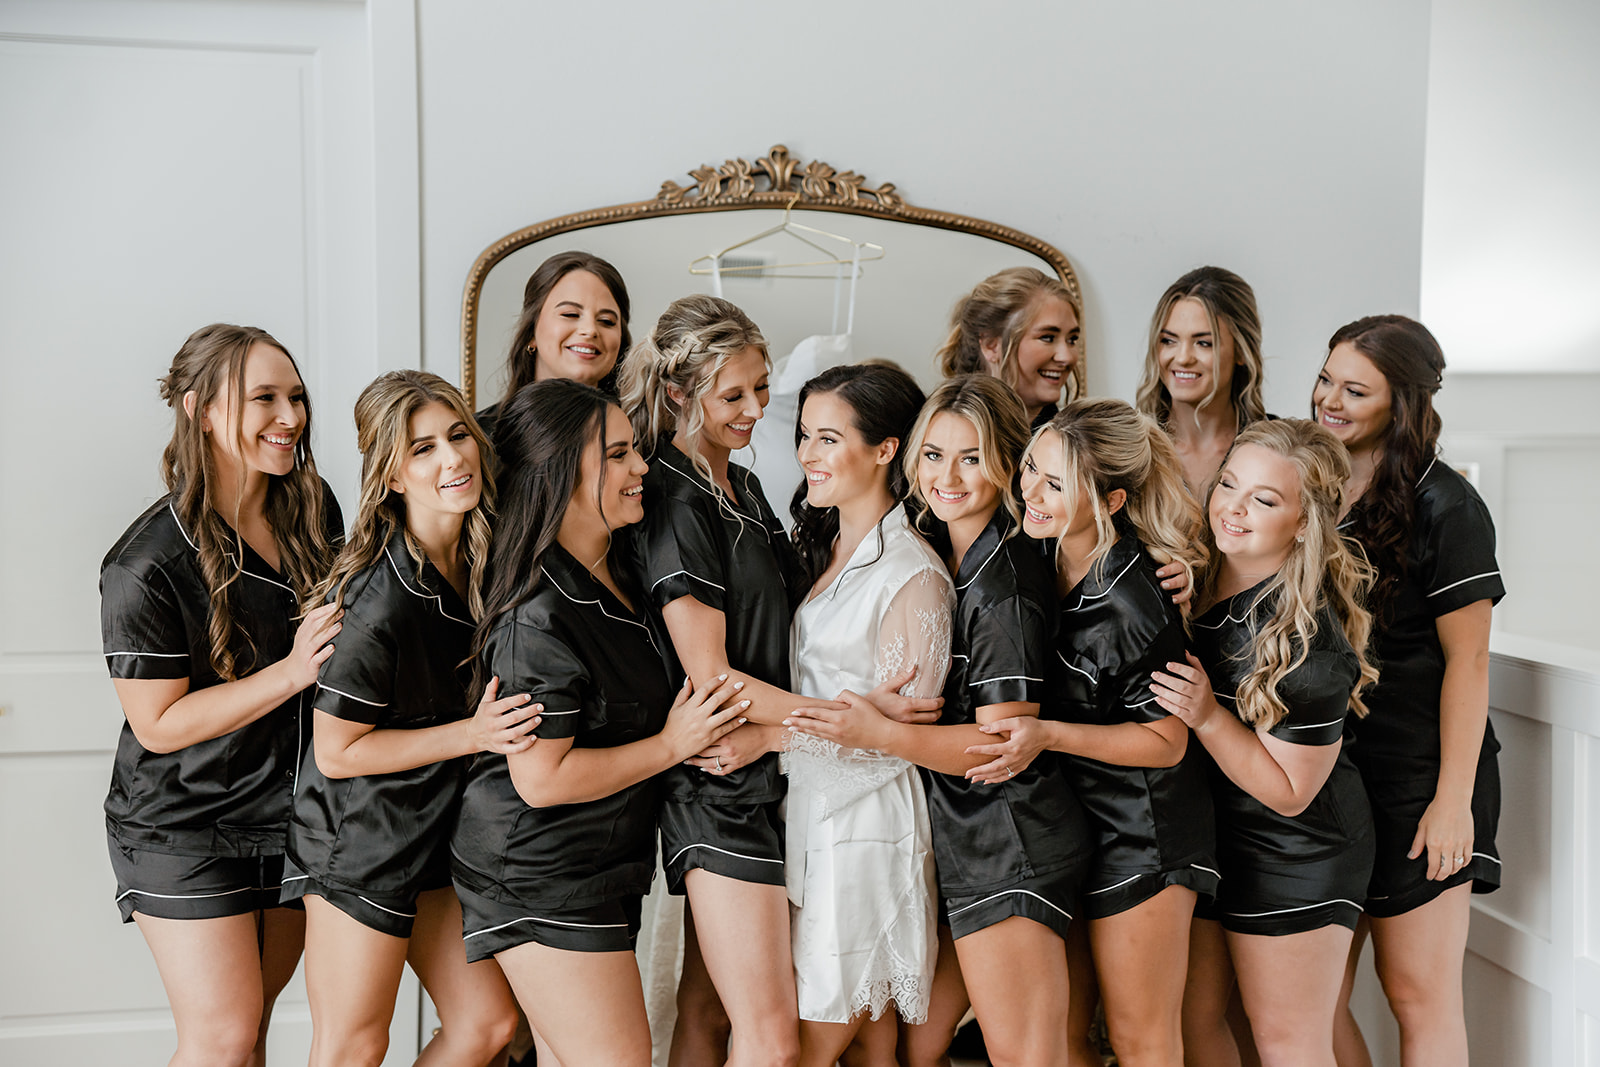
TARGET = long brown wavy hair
x,y
211,360
1411,361
1230,306
520,358
383,420
1321,569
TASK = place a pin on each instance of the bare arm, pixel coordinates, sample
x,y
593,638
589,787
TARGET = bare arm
x,y
346,749
555,771
1129,744
1446,827
939,748
166,716
1285,777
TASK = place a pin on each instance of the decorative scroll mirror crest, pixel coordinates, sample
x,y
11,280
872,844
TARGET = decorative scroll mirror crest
x,y
772,182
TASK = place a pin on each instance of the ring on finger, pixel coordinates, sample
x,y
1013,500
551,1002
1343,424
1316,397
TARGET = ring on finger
x,y
719,763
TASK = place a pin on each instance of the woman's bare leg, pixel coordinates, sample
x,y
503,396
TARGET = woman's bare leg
x,y
1083,998
1016,974
1141,957
742,929
585,1007
927,1044
352,978
477,1013
1207,1041
700,1036
1349,1046
1419,956
1290,985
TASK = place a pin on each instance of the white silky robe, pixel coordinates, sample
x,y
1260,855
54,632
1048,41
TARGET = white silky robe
x,y
859,860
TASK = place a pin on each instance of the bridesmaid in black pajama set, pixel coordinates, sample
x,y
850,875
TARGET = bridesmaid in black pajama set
x,y
369,841
1104,485
1427,752
198,606
555,846
1280,664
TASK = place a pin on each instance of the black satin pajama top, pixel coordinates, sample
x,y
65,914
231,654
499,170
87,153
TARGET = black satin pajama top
x,y
1317,695
989,836
731,555
397,665
578,650
1118,626
229,796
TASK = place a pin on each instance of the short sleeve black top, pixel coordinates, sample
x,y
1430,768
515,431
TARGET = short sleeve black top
x,y
1118,626
578,650
1451,563
401,662
988,836
731,555
1317,695
229,796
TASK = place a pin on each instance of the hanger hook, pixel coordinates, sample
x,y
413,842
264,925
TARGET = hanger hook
x,y
793,200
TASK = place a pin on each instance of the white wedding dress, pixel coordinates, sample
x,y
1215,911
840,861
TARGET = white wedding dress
x,y
859,860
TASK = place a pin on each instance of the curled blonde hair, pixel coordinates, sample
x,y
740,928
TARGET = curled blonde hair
x,y
996,413
692,341
214,355
1001,307
1230,305
1321,569
383,421
1106,445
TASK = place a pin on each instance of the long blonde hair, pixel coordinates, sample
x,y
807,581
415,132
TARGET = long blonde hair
x,y
692,341
1001,308
294,505
1230,305
383,421
1106,446
996,413
1321,569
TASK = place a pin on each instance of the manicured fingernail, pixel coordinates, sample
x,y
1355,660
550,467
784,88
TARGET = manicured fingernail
x,y
743,721
736,685
788,722
722,677
744,703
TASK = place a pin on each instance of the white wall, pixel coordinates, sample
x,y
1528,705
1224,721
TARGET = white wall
x,y
1283,141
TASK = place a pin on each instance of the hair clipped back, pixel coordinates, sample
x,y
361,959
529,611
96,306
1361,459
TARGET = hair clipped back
x,y
1321,569
1411,361
1001,308
1002,424
1106,446
213,358
692,341
383,421
1230,305
884,401
520,358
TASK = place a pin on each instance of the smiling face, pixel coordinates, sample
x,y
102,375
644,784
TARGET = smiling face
x,y
1195,362
578,335
1255,510
1045,512
1352,398
440,466
735,401
1051,345
950,473
609,493
840,464
261,437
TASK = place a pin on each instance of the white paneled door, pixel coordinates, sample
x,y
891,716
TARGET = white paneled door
x,y
166,165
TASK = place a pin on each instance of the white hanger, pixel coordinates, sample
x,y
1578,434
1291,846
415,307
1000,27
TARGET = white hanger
x,y
859,252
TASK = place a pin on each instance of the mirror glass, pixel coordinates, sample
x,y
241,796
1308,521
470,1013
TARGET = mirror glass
x,y
902,301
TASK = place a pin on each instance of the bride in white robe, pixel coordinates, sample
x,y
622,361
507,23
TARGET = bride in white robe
x,y
859,856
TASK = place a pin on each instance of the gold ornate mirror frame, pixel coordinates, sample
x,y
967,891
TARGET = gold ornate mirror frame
x,y
775,180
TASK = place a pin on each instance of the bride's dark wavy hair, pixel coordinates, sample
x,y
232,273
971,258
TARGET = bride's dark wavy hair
x,y
884,401
1411,361
541,437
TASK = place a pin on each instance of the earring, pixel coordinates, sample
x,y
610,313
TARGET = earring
x,y
1299,539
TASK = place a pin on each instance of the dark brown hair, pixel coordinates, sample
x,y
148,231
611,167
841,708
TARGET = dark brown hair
x,y
520,359
1411,361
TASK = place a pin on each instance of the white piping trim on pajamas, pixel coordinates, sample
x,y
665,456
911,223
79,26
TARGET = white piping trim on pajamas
x,y
200,896
1285,911
696,482
548,922
1080,670
1007,678
437,599
1008,892
1107,590
725,852
352,696
982,565
596,603
1109,888
157,655
1317,725
696,577
1464,581
391,911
